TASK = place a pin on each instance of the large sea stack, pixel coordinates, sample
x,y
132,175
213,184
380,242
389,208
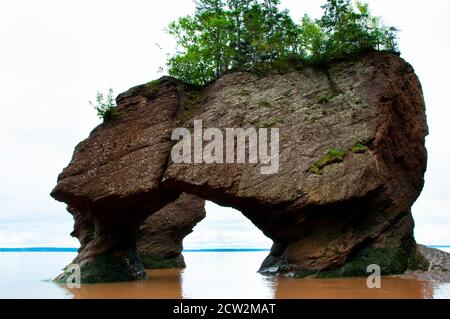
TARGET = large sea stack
x,y
352,163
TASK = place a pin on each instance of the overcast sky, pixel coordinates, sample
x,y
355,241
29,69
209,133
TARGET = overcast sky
x,y
55,55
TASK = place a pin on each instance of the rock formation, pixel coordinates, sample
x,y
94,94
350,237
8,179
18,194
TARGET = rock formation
x,y
438,266
160,238
352,162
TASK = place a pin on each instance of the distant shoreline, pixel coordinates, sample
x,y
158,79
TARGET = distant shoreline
x,y
70,250
208,250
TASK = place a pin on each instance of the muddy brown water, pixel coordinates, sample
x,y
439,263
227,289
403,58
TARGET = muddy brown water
x,y
169,284
231,275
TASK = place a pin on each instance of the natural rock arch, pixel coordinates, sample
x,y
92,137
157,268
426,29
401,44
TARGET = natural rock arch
x,y
328,214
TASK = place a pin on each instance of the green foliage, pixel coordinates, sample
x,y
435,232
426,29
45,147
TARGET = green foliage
x,y
349,30
333,156
324,99
359,148
152,84
106,109
244,34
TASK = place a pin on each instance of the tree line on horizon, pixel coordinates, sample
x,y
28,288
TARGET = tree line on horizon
x,y
223,35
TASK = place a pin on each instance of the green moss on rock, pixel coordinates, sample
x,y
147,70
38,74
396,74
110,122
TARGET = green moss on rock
x,y
151,262
323,99
270,123
193,99
266,104
245,93
359,148
105,269
304,273
152,84
397,256
417,261
333,156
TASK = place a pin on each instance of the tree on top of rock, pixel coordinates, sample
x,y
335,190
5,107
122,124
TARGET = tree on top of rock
x,y
239,34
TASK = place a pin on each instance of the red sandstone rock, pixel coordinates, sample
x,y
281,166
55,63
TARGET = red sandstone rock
x,y
332,220
160,239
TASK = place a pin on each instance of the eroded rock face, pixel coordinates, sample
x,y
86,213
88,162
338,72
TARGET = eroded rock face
x,y
328,215
160,238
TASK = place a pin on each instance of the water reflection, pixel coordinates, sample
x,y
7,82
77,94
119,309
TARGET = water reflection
x,y
234,276
225,275
164,284
177,284
352,288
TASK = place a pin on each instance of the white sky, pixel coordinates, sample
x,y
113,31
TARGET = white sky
x,y
55,55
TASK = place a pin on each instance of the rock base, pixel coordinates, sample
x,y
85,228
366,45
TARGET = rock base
x,y
108,268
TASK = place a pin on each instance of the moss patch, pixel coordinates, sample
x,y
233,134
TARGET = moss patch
x,y
417,261
266,104
326,98
304,273
102,269
152,84
271,122
333,156
359,148
245,93
387,259
396,257
193,99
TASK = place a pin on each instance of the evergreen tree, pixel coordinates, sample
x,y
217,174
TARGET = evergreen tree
x,y
238,10
226,34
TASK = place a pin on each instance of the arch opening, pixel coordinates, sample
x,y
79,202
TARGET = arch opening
x,y
225,228
225,250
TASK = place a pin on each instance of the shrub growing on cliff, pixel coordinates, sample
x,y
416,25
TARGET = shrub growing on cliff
x,y
106,108
240,34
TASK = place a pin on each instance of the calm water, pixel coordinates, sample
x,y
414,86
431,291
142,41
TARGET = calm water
x,y
208,275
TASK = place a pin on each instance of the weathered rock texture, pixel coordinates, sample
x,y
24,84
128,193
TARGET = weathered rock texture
x,y
328,215
438,266
160,238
